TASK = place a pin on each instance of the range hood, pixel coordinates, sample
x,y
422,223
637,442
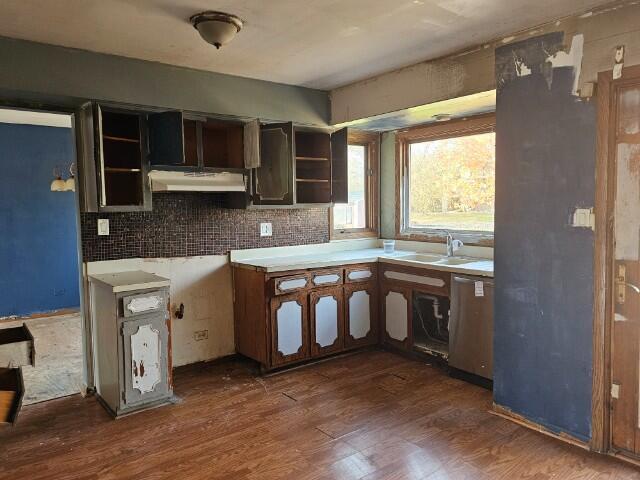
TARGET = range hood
x,y
175,181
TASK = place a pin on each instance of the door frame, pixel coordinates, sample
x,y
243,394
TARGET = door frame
x,y
603,264
83,284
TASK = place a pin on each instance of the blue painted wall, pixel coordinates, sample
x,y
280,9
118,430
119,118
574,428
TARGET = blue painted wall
x,y
545,168
38,244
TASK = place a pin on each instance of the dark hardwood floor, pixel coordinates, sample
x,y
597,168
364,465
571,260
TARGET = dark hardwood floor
x,y
373,415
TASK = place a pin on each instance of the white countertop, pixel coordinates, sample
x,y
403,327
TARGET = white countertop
x,y
282,263
130,281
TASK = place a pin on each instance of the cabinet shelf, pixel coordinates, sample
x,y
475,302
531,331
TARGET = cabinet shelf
x,y
312,159
122,170
312,180
121,139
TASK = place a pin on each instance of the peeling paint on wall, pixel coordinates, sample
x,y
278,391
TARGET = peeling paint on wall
x,y
542,55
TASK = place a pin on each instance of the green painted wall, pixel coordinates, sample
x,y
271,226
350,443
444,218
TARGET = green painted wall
x,y
46,73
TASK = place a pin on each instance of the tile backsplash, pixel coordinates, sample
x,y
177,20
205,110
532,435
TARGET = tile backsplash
x,y
192,224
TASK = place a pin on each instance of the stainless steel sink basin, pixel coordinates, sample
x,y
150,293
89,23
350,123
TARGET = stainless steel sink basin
x,y
422,257
454,261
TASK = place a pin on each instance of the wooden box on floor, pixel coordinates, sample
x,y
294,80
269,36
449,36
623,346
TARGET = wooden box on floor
x,y
16,350
11,394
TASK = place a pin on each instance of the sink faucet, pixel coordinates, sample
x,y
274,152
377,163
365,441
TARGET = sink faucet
x,y
452,245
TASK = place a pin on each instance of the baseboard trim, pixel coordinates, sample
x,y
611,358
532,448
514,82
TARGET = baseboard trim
x,y
35,316
525,422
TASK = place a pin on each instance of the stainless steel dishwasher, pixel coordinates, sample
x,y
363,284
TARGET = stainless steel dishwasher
x,y
471,325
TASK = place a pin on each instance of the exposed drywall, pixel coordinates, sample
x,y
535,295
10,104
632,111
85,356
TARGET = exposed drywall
x,y
39,247
62,75
472,71
203,285
545,164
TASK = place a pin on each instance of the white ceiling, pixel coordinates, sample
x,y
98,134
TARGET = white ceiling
x,y
315,43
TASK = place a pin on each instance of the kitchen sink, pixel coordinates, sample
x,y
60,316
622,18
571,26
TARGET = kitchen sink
x,y
454,261
422,257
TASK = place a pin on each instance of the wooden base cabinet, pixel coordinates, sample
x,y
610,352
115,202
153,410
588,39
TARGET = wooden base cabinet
x,y
361,319
289,317
289,329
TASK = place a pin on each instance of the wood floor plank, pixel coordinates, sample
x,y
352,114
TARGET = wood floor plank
x,y
369,416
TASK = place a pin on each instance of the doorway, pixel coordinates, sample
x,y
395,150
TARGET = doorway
x,y
616,369
40,286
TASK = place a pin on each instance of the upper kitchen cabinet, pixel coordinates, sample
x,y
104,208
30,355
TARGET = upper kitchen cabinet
x,y
182,142
300,167
272,181
121,154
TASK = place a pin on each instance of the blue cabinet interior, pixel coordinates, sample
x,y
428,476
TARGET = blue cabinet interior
x,y
39,246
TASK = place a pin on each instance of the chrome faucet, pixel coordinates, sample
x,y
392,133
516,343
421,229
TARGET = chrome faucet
x,y
449,244
452,245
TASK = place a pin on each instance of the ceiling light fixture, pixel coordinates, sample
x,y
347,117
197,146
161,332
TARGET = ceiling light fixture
x,y
216,28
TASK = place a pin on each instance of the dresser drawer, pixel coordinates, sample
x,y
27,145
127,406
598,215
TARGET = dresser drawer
x,y
291,283
144,304
326,278
16,347
360,273
11,394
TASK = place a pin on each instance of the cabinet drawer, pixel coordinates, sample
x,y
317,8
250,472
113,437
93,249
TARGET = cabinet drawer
x,y
359,273
432,281
144,304
11,394
326,278
291,283
16,347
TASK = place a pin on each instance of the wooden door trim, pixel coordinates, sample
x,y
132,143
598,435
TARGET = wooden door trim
x,y
603,257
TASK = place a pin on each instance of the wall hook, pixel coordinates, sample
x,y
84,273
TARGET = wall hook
x,y
180,312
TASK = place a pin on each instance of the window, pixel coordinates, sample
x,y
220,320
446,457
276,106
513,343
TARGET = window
x,y
448,180
359,217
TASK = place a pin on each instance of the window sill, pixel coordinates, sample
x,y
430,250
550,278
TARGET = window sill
x,y
347,235
468,238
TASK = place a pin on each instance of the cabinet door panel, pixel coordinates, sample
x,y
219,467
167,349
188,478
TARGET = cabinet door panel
x,y
145,343
361,306
166,139
289,329
326,321
339,167
273,180
396,308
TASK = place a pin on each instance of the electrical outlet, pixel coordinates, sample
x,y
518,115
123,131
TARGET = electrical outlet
x,y
266,229
201,335
103,226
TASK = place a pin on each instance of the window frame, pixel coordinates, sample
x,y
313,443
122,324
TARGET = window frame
x,y
370,140
485,123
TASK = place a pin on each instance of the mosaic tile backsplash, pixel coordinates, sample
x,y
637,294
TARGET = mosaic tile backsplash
x,y
191,224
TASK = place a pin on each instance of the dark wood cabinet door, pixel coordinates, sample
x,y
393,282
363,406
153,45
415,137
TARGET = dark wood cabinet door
x,y
361,314
166,139
396,310
327,325
339,166
273,180
289,329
